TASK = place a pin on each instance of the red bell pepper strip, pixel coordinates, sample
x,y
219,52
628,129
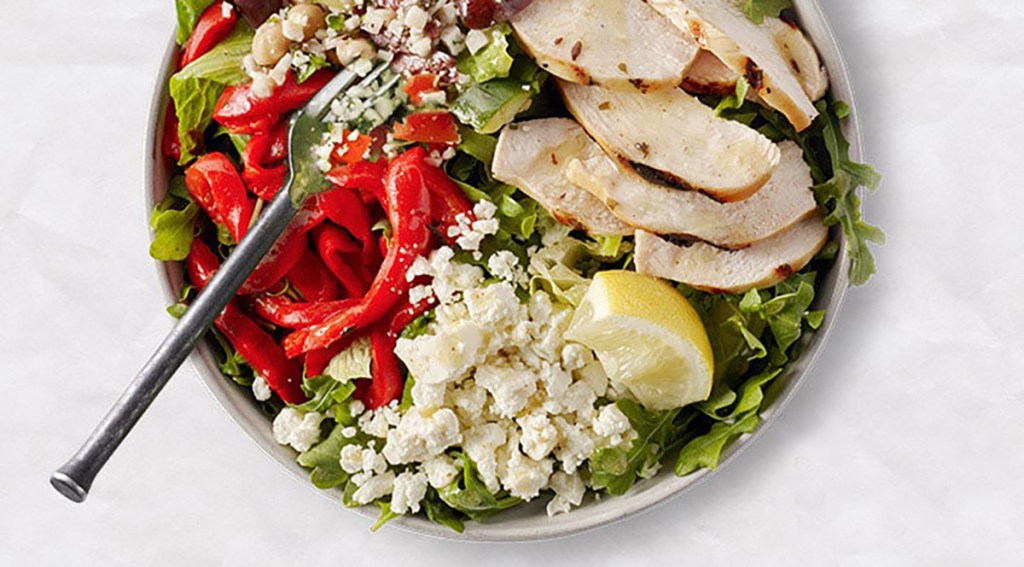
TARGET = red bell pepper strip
x,y
264,169
170,143
216,23
283,256
284,312
311,278
346,209
429,126
409,313
216,186
419,85
367,177
342,256
242,112
255,345
447,200
386,381
408,206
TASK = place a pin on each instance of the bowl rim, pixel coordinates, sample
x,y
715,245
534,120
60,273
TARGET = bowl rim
x,y
238,404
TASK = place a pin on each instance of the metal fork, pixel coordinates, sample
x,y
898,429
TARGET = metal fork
x,y
307,130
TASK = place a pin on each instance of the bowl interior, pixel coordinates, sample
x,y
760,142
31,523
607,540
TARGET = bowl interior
x,y
528,522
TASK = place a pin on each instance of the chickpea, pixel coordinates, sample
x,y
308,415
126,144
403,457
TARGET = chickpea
x,y
352,49
269,44
310,17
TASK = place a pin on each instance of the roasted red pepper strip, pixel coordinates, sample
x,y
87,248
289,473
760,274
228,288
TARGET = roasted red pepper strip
x,y
447,201
242,112
171,144
256,346
264,169
408,206
409,313
353,150
386,382
283,256
311,278
429,126
216,186
214,25
367,177
286,313
346,209
342,256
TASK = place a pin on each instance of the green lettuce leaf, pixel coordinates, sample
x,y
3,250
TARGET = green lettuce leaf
x,y
324,393
188,12
492,61
324,459
173,222
756,10
195,88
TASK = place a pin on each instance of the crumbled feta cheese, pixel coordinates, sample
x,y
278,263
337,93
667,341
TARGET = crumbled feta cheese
x,y
569,490
416,18
480,444
407,493
261,390
476,40
419,438
510,387
440,471
300,430
504,264
611,424
539,436
374,487
526,477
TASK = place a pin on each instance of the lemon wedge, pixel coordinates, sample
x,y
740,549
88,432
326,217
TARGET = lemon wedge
x,y
648,338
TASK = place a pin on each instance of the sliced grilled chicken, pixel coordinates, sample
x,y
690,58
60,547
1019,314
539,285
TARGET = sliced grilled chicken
x,y
711,269
801,55
671,138
784,201
708,75
533,156
749,49
620,44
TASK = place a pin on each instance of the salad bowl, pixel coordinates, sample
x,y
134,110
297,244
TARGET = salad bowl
x,y
528,522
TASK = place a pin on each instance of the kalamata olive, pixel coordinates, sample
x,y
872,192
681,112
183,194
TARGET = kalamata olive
x,y
269,44
257,11
509,8
477,14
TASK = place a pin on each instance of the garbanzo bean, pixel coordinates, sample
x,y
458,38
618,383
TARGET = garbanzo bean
x,y
352,49
269,44
310,16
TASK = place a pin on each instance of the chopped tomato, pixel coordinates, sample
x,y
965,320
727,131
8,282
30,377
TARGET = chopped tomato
x,y
419,85
434,126
352,150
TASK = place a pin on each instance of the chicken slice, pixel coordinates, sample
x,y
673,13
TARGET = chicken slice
x,y
673,139
784,201
715,270
533,155
607,42
750,50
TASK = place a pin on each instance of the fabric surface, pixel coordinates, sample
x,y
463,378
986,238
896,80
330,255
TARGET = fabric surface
x,y
902,448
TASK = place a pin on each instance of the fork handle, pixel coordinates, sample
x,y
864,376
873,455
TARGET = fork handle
x,y
75,478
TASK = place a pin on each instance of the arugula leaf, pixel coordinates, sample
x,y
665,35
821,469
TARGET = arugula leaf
x,y
470,496
316,62
756,10
419,326
324,392
616,469
492,61
188,12
706,451
195,88
440,513
386,515
839,194
734,101
325,460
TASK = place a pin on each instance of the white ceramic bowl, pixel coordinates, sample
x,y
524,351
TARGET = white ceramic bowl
x,y
527,522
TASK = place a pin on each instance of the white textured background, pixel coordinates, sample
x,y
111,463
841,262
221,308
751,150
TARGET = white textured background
x,y
903,448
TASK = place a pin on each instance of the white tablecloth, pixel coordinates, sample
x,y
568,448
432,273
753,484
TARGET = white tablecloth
x,y
903,448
